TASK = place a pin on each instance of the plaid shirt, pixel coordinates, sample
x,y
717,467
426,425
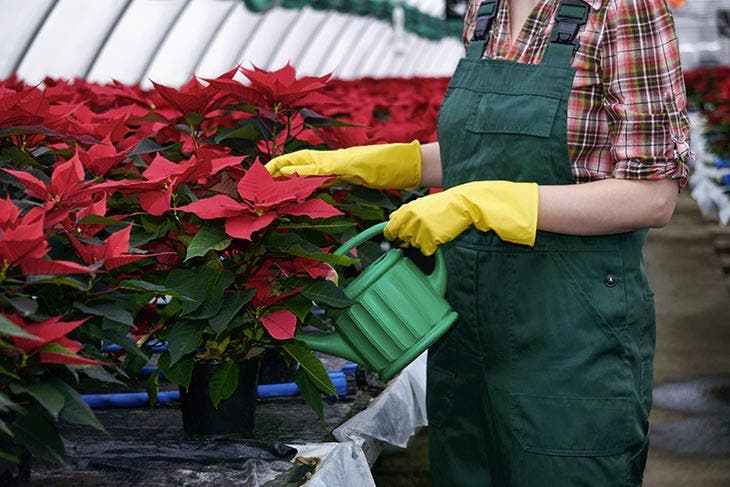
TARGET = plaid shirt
x,y
627,110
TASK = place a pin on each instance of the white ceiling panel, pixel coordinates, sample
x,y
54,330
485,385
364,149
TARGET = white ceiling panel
x,y
69,39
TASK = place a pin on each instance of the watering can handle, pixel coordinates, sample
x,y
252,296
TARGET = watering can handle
x,y
437,278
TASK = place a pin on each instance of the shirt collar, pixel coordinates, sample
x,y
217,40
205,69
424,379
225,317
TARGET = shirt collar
x,y
595,4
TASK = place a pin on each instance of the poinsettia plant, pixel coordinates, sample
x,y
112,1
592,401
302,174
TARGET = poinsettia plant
x,y
188,240
36,356
708,90
133,217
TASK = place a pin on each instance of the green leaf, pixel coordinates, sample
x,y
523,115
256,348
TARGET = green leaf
x,y
39,434
309,392
76,410
194,118
5,430
133,364
108,310
112,334
148,146
299,305
6,403
207,239
232,304
192,285
137,285
311,365
325,293
180,373
214,298
296,245
8,328
59,280
102,220
184,338
314,119
49,394
247,132
100,374
223,383
25,306
152,384
330,225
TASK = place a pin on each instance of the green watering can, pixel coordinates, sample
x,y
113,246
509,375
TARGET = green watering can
x,y
398,312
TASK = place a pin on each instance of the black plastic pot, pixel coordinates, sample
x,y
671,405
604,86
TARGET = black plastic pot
x,y
234,416
274,369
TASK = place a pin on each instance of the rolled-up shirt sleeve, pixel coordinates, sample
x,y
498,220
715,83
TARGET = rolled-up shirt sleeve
x,y
645,97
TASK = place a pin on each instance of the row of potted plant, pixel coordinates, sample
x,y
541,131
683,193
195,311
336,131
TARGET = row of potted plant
x,y
130,217
708,90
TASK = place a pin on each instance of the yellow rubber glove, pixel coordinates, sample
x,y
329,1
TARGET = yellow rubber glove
x,y
380,166
508,208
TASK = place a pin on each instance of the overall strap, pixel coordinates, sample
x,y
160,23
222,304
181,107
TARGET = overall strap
x,y
571,16
485,18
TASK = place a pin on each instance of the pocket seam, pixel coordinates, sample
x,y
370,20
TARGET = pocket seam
x,y
473,124
621,445
444,412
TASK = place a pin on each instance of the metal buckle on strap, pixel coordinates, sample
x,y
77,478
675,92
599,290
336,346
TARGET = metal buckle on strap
x,y
571,16
485,16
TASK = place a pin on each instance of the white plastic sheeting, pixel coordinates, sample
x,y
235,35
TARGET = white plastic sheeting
x,y
392,418
135,41
711,198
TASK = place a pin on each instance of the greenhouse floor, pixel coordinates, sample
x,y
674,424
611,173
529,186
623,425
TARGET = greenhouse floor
x,y
686,262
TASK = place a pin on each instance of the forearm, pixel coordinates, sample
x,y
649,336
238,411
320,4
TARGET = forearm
x,y
606,207
431,165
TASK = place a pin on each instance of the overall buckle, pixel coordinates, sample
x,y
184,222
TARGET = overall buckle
x,y
485,16
571,16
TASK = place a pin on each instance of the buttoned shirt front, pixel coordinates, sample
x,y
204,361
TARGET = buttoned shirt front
x,y
627,109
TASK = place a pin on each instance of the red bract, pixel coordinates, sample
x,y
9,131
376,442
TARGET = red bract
x,y
112,253
193,97
273,270
23,242
264,199
163,176
276,89
66,192
280,324
49,337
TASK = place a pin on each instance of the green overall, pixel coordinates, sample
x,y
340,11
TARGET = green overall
x,y
545,380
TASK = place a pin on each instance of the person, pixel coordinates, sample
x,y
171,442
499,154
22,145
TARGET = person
x,y
562,139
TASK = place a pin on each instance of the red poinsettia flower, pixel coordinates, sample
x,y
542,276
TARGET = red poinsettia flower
x,y
271,89
266,277
110,254
100,158
191,98
23,242
49,338
163,176
264,199
66,192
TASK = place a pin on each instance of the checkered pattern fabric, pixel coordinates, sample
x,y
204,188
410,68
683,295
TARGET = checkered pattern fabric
x,y
627,110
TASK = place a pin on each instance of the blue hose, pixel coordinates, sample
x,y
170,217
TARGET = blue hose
x,y
264,391
155,346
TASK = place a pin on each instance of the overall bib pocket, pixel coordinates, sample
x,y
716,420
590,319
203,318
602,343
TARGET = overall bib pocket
x,y
529,114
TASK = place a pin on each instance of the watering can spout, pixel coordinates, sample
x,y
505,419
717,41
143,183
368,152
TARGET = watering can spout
x,y
331,343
